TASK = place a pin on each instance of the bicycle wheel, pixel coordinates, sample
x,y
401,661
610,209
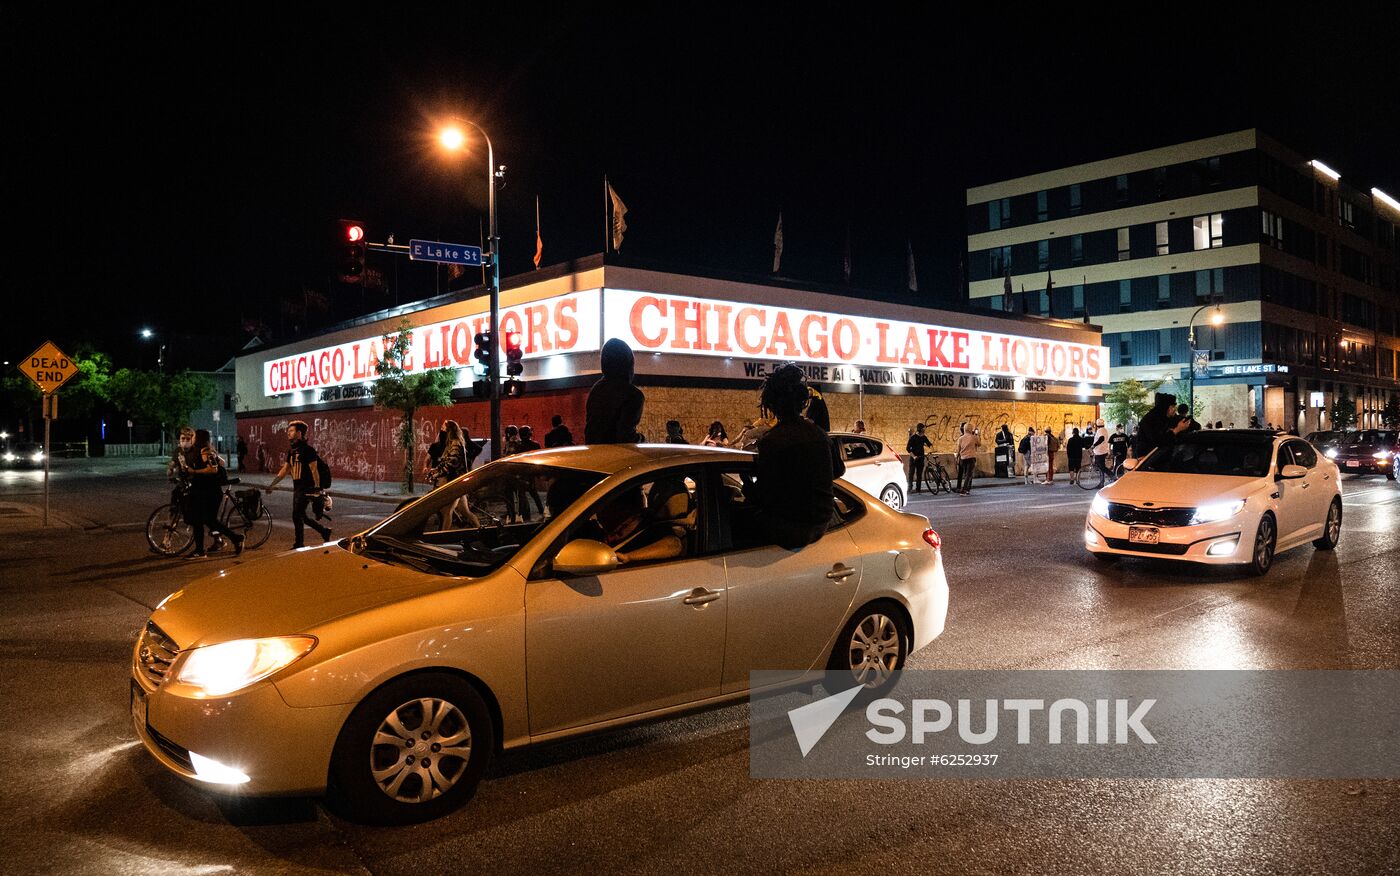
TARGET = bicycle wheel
x,y
1090,476
255,532
168,532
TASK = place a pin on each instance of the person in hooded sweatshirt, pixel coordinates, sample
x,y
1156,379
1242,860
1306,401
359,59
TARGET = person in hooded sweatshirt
x,y
795,500
1158,427
614,405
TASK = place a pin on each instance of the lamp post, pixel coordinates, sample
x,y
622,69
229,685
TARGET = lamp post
x,y
1216,319
453,139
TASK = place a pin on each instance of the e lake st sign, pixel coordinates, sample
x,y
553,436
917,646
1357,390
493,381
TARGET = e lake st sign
x,y
49,367
444,253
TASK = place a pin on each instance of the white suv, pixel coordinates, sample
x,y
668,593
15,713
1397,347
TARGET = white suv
x,y
1220,497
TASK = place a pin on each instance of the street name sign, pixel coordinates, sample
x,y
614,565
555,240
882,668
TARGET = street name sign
x,y
49,367
444,253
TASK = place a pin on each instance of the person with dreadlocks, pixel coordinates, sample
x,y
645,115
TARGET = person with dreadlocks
x,y
793,472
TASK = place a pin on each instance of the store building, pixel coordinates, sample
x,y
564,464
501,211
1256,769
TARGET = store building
x,y
1302,266
702,346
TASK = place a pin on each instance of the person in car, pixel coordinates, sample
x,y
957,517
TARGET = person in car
x,y
614,405
1159,426
638,533
795,501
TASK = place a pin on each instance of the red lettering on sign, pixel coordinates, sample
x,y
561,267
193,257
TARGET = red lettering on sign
x,y
721,344
635,321
338,365
845,340
461,343
687,317
936,357
782,336
815,348
536,326
1076,362
740,329
883,354
1095,366
960,340
567,321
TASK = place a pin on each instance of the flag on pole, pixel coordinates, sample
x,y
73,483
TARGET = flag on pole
x,y
539,241
846,260
619,218
913,277
778,244
1007,293
1049,284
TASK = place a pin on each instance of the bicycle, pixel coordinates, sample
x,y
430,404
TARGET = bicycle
x,y
170,534
1093,476
936,477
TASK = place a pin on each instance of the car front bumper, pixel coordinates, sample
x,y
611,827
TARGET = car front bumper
x,y
1365,465
282,750
1188,543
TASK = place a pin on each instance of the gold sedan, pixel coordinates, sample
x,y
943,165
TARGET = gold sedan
x,y
555,593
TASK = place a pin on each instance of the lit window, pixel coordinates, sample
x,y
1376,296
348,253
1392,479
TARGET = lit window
x,y
1042,254
1208,232
1164,291
1125,351
1163,241
1124,250
1164,345
1042,206
1077,300
1125,295
1272,229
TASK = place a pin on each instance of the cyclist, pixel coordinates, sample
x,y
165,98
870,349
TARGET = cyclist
x,y
206,489
1102,446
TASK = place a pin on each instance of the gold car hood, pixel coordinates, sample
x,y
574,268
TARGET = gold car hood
x,y
287,594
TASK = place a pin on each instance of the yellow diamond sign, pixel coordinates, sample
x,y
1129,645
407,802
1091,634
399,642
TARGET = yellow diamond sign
x,y
49,367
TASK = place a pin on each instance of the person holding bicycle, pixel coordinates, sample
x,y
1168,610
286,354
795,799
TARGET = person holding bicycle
x,y
917,446
1102,447
207,481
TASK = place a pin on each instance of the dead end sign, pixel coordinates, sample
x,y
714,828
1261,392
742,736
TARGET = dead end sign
x,y
49,367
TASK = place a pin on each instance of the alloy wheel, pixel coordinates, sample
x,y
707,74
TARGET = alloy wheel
x,y
420,750
874,650
892,497
1264,545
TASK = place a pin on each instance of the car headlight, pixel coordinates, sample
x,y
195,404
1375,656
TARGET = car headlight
x,y
1217,512
1099,507
1330,453
38,457
222,669
9,457
1382,454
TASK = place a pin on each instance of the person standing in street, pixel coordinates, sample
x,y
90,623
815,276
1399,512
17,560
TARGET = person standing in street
x,y
917,445
1006,444
303,465
1074,453
524,444
1052,446
559,435
207,479
614,405
968,442
1118,446
674,433
1024,448
242,448
717,437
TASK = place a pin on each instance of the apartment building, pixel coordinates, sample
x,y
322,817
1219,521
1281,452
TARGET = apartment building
x,y
1260,277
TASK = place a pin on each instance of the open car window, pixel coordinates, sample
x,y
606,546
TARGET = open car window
x,y
735,528
647,521
475,524
1226,454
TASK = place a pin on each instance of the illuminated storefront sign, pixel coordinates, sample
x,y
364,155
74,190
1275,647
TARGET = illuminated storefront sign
x,y
702,327
564,324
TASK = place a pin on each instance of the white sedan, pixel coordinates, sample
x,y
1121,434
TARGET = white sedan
x,y
1220,497
386,670
872,465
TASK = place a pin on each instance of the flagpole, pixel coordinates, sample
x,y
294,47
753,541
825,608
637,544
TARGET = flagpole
x,y
605,214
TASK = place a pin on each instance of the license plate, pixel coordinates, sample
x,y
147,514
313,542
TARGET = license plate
x,y
138,705
1144,534
1352,463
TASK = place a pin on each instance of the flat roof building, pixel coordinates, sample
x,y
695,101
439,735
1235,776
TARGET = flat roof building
x,y
1301,266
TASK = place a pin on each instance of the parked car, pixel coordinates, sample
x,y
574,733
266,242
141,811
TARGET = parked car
x,y
872,465
1369,451
27,455
1219,497
385,670
1327,442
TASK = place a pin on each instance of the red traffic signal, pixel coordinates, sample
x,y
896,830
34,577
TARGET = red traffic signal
x,y
514,367
352,255
354,233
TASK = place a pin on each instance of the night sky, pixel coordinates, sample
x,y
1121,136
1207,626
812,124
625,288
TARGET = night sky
x,y
187,172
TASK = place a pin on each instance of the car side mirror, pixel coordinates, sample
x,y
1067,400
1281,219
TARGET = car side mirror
x,y
1291,472
585,556
1130,464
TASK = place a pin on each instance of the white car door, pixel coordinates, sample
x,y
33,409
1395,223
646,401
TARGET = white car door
x,y
1295,497
785,607
1321,487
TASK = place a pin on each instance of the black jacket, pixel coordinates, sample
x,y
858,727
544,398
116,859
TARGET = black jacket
x,y
614,404
1155,428
559,436
795,497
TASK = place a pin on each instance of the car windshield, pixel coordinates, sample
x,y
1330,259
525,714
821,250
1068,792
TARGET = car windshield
x,y
1207,453
473,525
1374,436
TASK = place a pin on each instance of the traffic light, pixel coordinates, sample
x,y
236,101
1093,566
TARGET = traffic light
x,y
514,368
352,252
481,388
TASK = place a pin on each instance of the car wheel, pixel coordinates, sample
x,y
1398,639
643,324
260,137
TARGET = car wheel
x,y
873,645
1332,529
1264,540
414,750
892,496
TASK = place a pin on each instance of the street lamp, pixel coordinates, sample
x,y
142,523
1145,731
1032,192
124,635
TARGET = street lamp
x,y
454,139
146,335
1217,318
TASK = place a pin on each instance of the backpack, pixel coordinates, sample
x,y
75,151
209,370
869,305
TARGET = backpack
x,y
324,471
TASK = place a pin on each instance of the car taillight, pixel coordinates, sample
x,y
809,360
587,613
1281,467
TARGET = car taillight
x,y
932,538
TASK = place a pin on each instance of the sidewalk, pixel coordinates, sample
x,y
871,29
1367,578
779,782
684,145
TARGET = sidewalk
x,y
363,491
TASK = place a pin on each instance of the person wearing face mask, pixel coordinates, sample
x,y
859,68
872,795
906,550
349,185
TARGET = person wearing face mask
x,y
304,466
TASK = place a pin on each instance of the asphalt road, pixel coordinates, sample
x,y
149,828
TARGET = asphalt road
x,y
77,793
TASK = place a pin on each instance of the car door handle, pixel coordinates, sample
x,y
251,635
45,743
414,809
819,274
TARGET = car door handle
x,y
840,573
700,596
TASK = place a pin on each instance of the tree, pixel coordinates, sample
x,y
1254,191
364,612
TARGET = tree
x,y
1127,401
398,390
1343,411
165,399
1391,415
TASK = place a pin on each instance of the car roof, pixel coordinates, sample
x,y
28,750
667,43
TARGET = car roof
x,y
613,458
